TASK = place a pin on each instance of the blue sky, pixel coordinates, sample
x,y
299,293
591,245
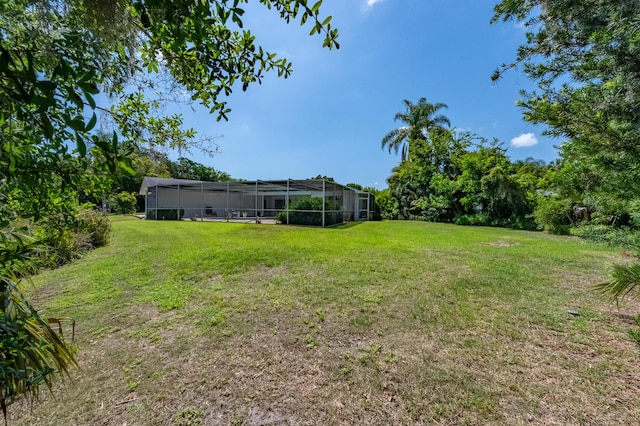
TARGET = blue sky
x,y
329,117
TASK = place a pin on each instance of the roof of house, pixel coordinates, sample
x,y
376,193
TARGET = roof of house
x,y
263,186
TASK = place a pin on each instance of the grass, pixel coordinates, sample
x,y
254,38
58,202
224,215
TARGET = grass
x,y
377,323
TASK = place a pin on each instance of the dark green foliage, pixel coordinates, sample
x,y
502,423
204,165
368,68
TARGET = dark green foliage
x,y
453,176
387,205
615,236
553,215
188,169
122,202
31,350
584,56
308,211
478,219
483,219
164,214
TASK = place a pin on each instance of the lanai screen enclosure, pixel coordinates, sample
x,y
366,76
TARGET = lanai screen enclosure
x,y
173,199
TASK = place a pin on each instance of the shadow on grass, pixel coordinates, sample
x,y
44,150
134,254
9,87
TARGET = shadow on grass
x,y
346,225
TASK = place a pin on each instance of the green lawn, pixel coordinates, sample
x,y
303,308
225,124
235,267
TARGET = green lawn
x,y
188,323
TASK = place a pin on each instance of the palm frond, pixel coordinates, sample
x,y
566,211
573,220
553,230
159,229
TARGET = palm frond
x,y
622,281
31,352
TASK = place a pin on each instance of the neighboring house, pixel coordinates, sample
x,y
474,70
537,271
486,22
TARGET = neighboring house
x,y
257,200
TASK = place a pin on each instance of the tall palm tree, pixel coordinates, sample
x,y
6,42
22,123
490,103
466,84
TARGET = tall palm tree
x,y
421,119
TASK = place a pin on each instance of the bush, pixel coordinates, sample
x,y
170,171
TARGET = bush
x,y
478,219
62,248
30,351
164,214
123,202
625,237
387,205
553,215
95,225
308,211
59,246
483,219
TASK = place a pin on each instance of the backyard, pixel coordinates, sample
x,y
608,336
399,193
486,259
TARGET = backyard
x,y
199,323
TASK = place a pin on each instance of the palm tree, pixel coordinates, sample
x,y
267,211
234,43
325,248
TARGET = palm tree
x,y
420,120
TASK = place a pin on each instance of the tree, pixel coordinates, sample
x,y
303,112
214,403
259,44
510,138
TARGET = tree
x,y
189,169
421,120
55,57
412,183
453,177
585,55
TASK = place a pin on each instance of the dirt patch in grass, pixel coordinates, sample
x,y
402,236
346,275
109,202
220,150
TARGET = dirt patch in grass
x,y
500,243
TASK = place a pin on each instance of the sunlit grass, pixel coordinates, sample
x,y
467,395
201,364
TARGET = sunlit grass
x,y
372,323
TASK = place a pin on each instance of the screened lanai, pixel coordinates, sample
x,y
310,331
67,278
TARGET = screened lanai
x,y
259,201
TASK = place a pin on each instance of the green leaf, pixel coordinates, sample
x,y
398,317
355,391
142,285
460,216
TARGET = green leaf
x,y
114,142
75,98
87,76
90,100
92,123
91,88
47,128
5,57
82,147
76,124
125,166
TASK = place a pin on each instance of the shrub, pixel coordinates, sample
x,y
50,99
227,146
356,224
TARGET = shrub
x,y
123,202
30,351
164,214
478,219
308,211
553,215
95,225
56,246
625,236
387,204
483,219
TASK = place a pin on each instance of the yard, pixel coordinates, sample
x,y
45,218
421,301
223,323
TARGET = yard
x,y
200,323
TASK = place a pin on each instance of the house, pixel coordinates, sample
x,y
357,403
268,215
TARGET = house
x,y
172,199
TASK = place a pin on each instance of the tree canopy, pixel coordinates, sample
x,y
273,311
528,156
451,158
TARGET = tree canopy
x,y
420,120
585,56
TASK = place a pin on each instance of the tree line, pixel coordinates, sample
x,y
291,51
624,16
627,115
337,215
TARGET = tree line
x,y
118,193
448,175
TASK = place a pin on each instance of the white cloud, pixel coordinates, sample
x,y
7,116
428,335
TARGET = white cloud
x,y
371,3
524,140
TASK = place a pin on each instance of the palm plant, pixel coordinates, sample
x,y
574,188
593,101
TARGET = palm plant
x,y
623,279
30,350
421,119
